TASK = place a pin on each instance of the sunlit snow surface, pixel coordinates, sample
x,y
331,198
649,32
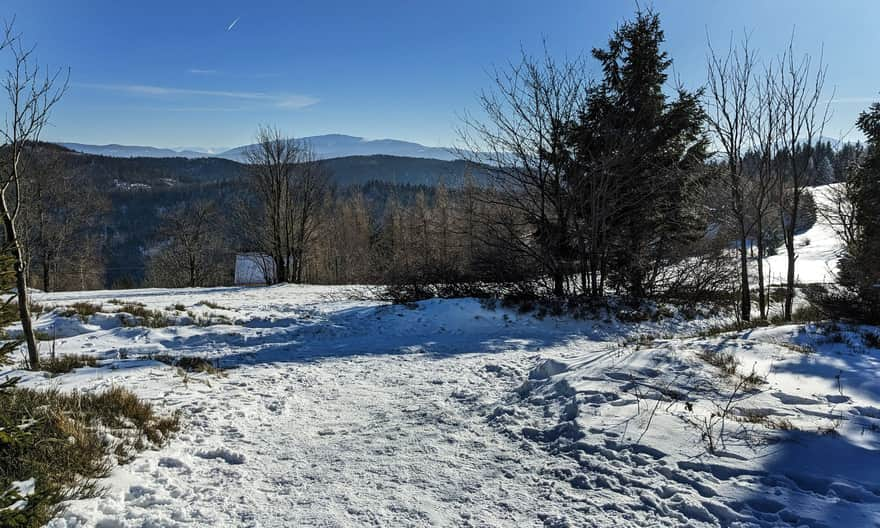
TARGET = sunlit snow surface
x,y
818,249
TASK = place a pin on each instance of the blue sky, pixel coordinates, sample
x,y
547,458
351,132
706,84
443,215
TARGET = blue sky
x,y
170,74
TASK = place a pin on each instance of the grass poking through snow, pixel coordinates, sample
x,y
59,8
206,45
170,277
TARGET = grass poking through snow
x,y
67,440
64,363
82,309
140,315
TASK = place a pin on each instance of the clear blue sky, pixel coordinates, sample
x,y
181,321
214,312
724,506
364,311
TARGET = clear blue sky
x,y
170,74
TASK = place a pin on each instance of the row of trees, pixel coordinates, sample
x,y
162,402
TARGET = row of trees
x,y
593,186
768,119
61,225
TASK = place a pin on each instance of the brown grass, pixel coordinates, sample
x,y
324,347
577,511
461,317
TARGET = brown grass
x,y
143,316
64,363
725,362
83,309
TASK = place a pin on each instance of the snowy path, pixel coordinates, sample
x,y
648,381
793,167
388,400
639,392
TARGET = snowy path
x,y
375,440
359,441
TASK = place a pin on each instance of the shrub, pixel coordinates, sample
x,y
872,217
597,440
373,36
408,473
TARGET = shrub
x,y
723,361
64,363
801,349
208,319
803,314
6,350
753,379
189,363
83,309
41,335
143,316
736,326
59,440
871,339
36,309
844,303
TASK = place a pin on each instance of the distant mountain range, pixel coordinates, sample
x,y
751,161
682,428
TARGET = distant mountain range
x,y
325,147
130,151
158,171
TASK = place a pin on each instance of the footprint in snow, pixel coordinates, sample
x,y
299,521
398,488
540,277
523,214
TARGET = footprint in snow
x,y
224,454
173,463
791,399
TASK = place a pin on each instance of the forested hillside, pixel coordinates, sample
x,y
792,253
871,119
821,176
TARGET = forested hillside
x,y
136,192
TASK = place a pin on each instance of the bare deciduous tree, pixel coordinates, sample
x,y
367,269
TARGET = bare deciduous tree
x,y
289,185
522,142
764,177
729,114
192,249
31,93
839,212
803,116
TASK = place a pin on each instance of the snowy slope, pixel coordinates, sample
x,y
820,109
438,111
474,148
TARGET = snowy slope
x,y
818,249
341,411
799,449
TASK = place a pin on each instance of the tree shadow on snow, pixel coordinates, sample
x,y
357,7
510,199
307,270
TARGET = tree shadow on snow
x,y
375,330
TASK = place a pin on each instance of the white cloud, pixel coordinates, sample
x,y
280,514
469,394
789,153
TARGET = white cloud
x,y
199,71
281,100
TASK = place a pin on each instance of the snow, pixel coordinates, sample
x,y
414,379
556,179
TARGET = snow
x,y
338,410
24,488
818,249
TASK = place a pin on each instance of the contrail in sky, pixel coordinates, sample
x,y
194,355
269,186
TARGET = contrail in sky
x,y
234,22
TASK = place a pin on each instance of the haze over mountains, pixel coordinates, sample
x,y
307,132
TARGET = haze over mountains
x,y
325,147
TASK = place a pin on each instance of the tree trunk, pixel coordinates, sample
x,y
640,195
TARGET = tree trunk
x,y
558,284
762,296
46,264
280,269
745,301
789,284
790,253
24,310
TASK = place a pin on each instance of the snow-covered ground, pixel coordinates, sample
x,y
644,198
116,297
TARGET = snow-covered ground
x,y
818,248
348,412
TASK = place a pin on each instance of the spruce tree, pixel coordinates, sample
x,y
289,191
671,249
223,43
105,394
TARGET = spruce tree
x,y
650,142
860,266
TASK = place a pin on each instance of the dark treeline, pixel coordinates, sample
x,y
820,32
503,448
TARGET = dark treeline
x,y
96,220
